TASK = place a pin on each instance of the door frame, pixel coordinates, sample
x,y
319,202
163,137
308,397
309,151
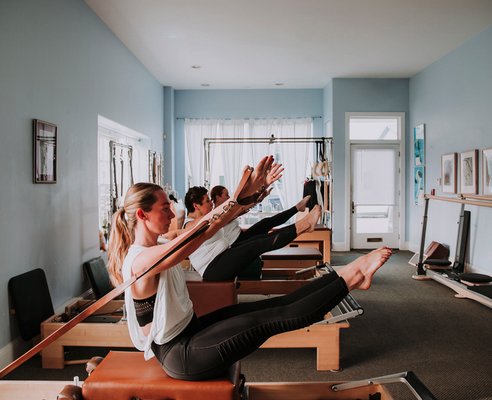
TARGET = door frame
x,y
397,153
348,171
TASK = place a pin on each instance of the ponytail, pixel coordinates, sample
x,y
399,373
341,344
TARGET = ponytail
x,y
120,239
140,195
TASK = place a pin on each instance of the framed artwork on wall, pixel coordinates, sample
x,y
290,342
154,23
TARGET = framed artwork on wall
x,y
469,172
487,172
419,145
419,185
448,172
44,149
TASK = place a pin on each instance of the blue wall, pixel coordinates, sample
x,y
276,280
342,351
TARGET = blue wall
x,y
60,63
453,97
357,95
241,104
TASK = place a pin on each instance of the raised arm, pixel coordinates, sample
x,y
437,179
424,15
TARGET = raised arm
x,y
251,186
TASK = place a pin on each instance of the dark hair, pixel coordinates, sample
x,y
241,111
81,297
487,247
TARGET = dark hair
x,y
194,195
216,192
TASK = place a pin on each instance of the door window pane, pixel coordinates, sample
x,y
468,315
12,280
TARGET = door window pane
x,y
374,219
373,128
374,176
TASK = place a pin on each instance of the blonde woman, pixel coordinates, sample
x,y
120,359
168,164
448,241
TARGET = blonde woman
x,y
161,320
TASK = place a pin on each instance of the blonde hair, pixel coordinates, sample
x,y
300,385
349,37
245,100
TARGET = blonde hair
x,y
140,195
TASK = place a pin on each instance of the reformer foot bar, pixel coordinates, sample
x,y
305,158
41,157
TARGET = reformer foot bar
x,y
323,335
481,294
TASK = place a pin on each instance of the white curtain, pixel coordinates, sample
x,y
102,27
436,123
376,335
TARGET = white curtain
x,y
195,131
228,159
295,157
232,155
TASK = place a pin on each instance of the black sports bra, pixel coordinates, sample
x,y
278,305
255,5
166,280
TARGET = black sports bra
x,y
144,309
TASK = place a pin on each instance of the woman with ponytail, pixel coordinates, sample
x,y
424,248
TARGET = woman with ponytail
x,y
160,314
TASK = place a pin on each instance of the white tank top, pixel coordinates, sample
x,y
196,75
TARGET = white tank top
x,y
173,308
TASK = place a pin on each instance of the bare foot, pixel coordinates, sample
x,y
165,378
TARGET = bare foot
x,y
301,206
358,274
308,223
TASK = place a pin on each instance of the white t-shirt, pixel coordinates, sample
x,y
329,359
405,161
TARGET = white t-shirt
x,y
208,250
173,308
232,231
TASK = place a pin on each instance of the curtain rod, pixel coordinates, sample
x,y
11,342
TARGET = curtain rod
x,y
230,119
269,139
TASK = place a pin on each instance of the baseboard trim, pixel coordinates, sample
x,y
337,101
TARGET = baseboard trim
x,y
340,246
8,353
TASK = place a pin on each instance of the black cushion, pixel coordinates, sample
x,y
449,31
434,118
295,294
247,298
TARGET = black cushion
x,y
31,301
475,278
437,262
98,276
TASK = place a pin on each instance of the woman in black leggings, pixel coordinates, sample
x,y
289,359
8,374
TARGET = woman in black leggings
x,y
219,194
231,250
160,314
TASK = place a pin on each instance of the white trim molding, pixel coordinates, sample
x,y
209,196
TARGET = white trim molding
x,y
401,142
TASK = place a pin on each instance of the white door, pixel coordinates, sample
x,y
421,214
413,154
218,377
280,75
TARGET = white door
x,y
375,195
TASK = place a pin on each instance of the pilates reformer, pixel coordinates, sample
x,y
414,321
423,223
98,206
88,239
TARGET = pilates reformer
x,y
466,285
114,378
324,336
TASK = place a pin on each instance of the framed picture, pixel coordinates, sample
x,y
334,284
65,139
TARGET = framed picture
x,y
44,145
419,185
448,172
419,145
487,172
469,172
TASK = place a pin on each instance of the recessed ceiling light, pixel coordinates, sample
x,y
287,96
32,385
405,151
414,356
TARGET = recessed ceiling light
x,y
205,84
279,84
196,66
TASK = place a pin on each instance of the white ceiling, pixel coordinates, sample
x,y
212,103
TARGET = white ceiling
x,y
254,44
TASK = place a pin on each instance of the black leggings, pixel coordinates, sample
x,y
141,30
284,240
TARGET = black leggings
x,y
228,264
213,342
265,225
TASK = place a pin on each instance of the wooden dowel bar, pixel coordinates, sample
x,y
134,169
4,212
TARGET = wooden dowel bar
x,y
483,202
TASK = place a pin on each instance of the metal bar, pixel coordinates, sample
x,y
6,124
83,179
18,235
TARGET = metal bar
x,y
245,118
420,264
418,389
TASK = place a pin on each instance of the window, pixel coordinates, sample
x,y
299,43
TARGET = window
x,y
123,157
228,147
373,128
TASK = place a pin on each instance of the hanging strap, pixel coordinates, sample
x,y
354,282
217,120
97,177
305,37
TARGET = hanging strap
x,y
114,195
130,159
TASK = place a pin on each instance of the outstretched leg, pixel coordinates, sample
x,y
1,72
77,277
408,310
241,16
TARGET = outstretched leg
x,y
210,344
265,225
230,263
